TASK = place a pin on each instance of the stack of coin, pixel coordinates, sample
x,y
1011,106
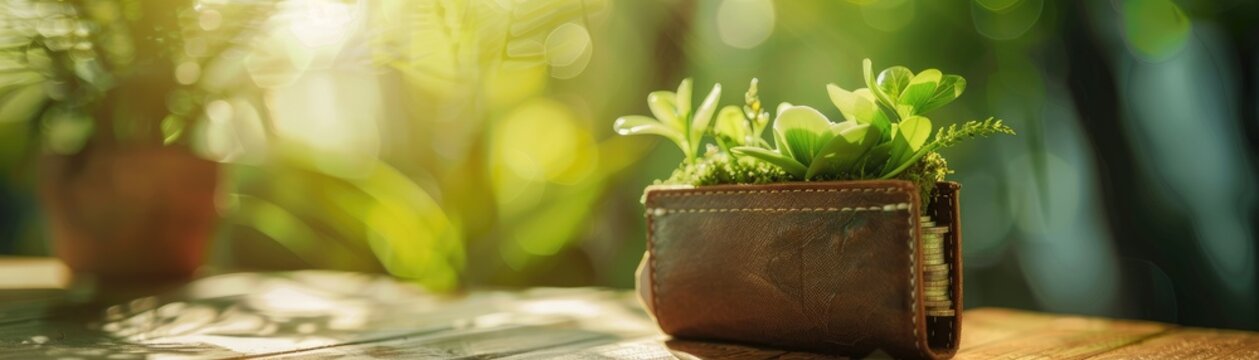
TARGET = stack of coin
x,y
936,279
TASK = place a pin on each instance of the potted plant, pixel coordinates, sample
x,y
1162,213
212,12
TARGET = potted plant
x,y
112,88
840,237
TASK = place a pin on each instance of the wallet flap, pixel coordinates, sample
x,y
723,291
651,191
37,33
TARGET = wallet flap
x,y
826,266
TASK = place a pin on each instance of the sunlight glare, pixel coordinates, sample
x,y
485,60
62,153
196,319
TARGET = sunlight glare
x,y
321,22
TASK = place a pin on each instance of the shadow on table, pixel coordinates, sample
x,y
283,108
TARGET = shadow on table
x,y
309,314
324,314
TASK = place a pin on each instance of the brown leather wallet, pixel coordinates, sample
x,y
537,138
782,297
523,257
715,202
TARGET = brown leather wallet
x,y
830,267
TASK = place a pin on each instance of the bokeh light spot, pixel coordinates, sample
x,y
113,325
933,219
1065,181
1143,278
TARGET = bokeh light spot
x,y
210,20
312,112
321,23
568,50
509,87
217,140
67,130
21,102
187,73
219,111
541,137
1005,20
745,24
565,44
1154,29
195,47
537,144
997,5
888,15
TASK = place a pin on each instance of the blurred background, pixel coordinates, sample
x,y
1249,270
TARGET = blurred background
x,y
468,143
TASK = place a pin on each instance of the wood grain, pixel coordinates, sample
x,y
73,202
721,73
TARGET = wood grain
x,y
317,314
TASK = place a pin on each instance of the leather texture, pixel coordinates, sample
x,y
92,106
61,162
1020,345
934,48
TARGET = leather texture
x,y
831,267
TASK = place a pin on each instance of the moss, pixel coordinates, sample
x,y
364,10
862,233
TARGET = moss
x,y
925,173
716,167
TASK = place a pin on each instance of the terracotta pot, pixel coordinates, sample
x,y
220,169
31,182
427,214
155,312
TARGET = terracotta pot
x,y
130,213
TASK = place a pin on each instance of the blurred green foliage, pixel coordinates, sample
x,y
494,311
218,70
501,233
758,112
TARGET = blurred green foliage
x,y
468,142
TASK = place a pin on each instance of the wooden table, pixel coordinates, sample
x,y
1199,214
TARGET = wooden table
x,y
318,314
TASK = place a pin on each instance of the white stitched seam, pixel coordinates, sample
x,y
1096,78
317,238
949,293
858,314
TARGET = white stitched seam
x,y
888,207
784,191
913,290
955,272
655,285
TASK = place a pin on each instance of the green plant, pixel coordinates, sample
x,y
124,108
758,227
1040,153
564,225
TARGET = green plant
x,y
809,144
885,133
741,127
674,119
129,71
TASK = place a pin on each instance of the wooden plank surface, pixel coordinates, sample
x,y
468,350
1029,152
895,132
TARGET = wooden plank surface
x,y
317,314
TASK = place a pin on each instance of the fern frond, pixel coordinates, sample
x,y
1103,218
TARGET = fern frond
x,y
949,136
952,135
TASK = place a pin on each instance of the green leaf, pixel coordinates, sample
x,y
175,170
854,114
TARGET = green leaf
x,y
951,135
908,138
753,111
704,115
892,81
664,107
731,128
860,134
783,106
804,130
640,125
916,129
67,130
172,129
899,150
950,88
781,144
859,106
683,101
20,104
818,165
904,110
854,107
844,150
791,166
971,129
885,101
921,88
875,159
839,127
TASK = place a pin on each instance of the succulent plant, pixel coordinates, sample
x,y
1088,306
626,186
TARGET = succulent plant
x,y
673,118
884,131
808,143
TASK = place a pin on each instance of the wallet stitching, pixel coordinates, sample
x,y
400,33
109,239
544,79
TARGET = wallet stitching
x,y
775,191
655,285
913,289
888,207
